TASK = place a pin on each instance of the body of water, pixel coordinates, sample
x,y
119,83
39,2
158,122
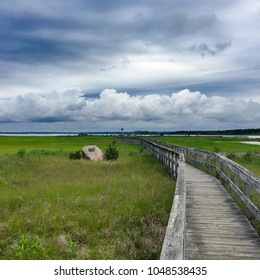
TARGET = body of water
x,y
55,133
251,142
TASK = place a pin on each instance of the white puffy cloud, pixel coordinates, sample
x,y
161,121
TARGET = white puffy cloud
x,y
181,110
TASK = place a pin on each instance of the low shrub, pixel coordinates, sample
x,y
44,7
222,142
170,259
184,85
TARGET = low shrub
x,y
75,155
21,152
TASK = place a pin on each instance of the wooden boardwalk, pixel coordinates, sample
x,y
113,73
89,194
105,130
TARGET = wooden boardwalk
x,y
215,226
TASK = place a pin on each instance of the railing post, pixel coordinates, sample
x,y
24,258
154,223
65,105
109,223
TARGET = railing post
x,y
247,189
228,176
208,164
236,179
217,168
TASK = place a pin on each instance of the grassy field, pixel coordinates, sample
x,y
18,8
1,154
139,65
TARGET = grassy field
x,y
11,144
56,208
229,147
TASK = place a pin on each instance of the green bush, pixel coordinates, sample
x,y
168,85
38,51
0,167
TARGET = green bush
x,y
111,152
21,152
75,155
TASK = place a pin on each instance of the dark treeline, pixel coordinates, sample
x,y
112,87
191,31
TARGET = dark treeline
x,y
249,131
223,132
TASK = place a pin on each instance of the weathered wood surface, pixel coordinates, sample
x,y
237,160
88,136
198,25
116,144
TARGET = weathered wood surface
x,y
215,226
174,241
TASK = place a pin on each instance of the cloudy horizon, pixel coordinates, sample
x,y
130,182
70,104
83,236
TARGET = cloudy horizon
x,y
141,65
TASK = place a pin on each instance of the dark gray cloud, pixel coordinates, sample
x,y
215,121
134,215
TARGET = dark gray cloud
x,y
204,49
35,39
90,30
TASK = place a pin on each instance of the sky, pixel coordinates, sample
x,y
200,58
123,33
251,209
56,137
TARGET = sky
x,y
103,65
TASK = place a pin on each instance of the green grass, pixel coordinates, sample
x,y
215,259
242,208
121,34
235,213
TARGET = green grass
x,y
253,165
12,144
55,208
225,145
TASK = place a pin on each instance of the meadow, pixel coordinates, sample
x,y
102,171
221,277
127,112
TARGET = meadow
x,y
56,208
53,207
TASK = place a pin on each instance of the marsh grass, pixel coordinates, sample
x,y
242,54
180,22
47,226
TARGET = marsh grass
x,y
251,162
222,145
66,209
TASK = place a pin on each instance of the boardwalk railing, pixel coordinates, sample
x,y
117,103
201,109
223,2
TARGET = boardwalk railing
x,y
243,186
174,241
159,150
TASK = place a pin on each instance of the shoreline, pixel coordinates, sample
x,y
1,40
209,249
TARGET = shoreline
x,y
105,133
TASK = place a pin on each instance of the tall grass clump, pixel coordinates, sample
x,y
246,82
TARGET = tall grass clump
x,y
29,249
247,157
2,180
231,156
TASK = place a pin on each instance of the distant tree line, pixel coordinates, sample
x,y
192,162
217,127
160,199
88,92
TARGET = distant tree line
x,y
249,131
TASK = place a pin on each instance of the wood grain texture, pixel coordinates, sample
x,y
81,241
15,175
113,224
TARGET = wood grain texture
x,y
215,226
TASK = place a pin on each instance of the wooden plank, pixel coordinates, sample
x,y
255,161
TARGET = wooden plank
x,y
226,238
219,255
215,226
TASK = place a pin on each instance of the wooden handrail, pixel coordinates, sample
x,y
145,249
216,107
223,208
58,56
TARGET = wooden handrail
x,y
239,182
174,241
